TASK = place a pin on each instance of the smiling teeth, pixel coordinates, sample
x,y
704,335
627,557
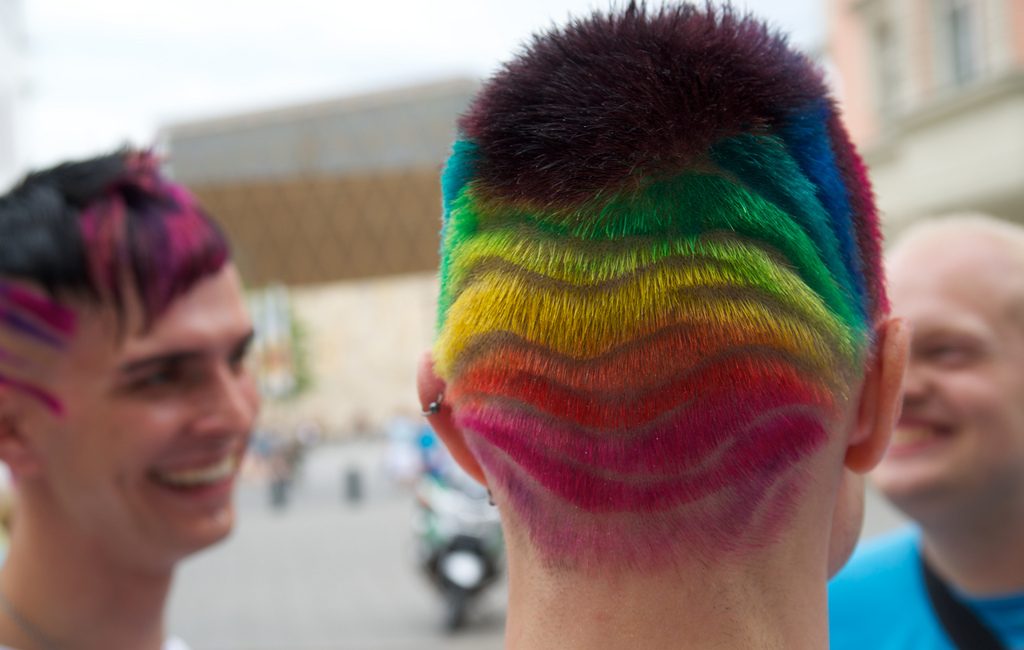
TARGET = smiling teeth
x,y
201,475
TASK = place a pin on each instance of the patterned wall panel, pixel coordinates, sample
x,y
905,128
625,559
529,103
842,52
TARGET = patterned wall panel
x,y
328,228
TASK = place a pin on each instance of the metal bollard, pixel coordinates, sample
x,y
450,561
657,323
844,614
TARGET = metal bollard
x,y
352,485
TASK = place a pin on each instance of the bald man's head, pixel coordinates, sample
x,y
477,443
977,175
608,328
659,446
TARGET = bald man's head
x,y
959,446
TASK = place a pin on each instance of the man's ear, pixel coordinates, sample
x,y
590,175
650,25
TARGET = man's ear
x,y
15,449
431,389
881,397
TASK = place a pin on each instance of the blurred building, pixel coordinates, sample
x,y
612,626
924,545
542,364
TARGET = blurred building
x,y
327,191
12,87
933,92
338,204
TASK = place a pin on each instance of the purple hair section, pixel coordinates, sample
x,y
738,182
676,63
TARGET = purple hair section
x,y
55,316
26,327
615,98
152,232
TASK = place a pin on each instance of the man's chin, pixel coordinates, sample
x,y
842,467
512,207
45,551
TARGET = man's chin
x,y
916,492
194,517
201,533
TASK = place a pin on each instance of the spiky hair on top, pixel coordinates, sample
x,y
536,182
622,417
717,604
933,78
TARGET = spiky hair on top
x,y
659,275
615,100
612,98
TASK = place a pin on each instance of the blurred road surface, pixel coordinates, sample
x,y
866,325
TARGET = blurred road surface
x,y
325,574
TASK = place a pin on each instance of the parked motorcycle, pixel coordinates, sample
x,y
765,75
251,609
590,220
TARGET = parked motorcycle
x,y
460,545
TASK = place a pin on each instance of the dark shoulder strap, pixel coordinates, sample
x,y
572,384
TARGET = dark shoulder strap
x,y
962,625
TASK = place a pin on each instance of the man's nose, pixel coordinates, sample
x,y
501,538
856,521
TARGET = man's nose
x,y
916,383
231,404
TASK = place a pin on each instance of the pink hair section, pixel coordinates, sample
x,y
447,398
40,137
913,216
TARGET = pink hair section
x,y
743,517
163,240
639,475
53,315
102,226
33,391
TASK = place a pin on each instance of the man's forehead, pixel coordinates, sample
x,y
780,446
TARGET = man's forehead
x,y
212,313
962,239
957,278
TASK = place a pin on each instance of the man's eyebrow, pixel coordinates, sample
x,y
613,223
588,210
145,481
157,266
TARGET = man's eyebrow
x,y
947,330
159,360
180,356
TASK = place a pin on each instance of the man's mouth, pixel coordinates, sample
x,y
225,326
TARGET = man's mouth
x,y
909,435
198,476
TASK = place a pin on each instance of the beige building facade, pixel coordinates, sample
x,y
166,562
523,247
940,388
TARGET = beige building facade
x,y
933,92
333,209
363,339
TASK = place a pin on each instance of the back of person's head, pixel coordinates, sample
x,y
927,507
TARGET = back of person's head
x,y
105,231
660,279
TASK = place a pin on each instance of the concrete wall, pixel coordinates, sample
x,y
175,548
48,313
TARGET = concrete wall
x,y
364,339
964,155
942,145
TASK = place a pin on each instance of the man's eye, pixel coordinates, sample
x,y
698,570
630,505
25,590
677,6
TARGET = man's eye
x,y
239,357
950,355
156,379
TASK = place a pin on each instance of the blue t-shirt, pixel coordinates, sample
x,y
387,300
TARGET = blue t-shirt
x,y
879,602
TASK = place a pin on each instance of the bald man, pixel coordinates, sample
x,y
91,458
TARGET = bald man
x,y
956,463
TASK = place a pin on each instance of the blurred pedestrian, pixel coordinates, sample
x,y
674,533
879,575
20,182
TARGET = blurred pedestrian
x,y
125,400
956,465
664,342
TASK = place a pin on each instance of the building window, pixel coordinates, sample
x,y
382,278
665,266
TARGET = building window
x,y
958,40
887,69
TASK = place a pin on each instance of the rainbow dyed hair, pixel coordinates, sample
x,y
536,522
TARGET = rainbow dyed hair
x,y
98,228
660,274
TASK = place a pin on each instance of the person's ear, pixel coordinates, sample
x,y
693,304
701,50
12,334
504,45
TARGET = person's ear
x,y
15,448
431,391
881,397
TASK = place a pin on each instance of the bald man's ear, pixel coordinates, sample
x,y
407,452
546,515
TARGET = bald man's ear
x,y
881,397
431,389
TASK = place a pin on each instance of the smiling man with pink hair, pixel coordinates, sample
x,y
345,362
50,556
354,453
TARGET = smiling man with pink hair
x,y
125,403
663,339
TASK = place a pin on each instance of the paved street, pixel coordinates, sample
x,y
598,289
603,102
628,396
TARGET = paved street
x,y
321,574
325,574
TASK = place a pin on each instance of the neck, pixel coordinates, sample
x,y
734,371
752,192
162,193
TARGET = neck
x,y
72,593
979,552
764,603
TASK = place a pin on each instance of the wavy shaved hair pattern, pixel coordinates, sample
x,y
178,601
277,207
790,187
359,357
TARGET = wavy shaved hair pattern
x,y
660,271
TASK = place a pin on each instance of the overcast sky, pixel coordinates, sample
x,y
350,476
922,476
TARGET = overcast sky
x,y
106,72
